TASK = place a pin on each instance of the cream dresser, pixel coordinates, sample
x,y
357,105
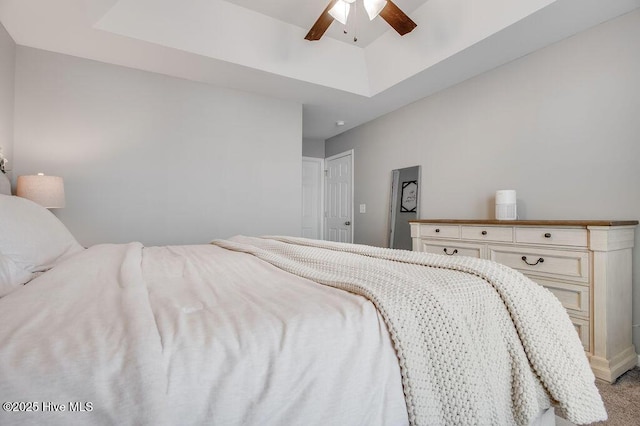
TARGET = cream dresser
x,y
586,264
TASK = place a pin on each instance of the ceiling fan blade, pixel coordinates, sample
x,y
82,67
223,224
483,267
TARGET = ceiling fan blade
x,y
322,24
397,18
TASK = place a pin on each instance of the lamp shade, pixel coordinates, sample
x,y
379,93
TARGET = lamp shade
x,y
340,11
48,191
374,7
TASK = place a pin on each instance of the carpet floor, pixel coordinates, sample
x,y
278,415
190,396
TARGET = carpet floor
x,y
622,399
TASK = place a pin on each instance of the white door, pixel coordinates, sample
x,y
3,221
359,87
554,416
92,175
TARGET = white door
x,y
312,179
339,198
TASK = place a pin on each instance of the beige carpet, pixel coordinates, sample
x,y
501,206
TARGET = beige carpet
x,y
621,398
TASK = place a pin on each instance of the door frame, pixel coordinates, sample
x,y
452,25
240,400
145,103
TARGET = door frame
x,y
321,212
353,212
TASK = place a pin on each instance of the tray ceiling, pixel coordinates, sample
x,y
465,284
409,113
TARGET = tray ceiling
x,y
258,46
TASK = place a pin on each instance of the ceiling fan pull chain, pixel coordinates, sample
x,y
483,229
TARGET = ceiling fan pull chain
x,y
346,14
355,22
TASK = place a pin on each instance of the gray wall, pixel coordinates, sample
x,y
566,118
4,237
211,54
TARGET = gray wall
x,y
561,126
7,66
313,148
156,159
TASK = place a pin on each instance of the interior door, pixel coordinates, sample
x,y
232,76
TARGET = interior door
x,y
339,198
312,211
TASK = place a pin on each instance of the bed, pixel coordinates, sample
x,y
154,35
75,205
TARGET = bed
x,y
274,331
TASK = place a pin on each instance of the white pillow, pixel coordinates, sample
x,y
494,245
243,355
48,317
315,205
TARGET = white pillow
x,y
31,237
11,276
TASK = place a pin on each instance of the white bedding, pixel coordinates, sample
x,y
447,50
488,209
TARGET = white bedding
x,y
204,335
192,335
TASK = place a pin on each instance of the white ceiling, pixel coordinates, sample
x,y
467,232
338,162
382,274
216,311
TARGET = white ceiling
x,y
259,46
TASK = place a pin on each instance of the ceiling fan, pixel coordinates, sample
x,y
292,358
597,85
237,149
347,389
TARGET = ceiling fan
x,y
339,10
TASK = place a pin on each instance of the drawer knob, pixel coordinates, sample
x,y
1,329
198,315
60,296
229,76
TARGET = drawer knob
x,y
484,232
437,229
452,253
540,260
547,235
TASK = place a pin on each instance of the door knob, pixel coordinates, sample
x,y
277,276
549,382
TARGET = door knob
x,y
347,223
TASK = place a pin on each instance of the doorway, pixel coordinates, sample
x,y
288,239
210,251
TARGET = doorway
x,y
339,197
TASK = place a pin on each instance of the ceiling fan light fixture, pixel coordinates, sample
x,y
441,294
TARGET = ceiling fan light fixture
x,y
340,11
374,7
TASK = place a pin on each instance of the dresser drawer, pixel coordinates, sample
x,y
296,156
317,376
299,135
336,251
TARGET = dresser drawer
x,y
582,328
573,237
450,248
574,297
439,231
585,264
487,233
561,264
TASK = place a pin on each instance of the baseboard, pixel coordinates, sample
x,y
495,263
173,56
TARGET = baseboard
x,y
610,369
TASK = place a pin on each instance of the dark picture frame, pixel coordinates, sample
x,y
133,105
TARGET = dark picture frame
x,y
409,196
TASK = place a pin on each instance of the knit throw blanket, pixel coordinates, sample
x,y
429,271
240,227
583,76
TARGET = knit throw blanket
x,y
478,343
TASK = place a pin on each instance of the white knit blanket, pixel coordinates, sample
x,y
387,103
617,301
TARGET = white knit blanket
x,y
475,340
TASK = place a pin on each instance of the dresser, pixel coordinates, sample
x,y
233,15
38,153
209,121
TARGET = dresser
x,y
587,265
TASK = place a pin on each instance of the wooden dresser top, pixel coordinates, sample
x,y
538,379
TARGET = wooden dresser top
x,y
531,222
